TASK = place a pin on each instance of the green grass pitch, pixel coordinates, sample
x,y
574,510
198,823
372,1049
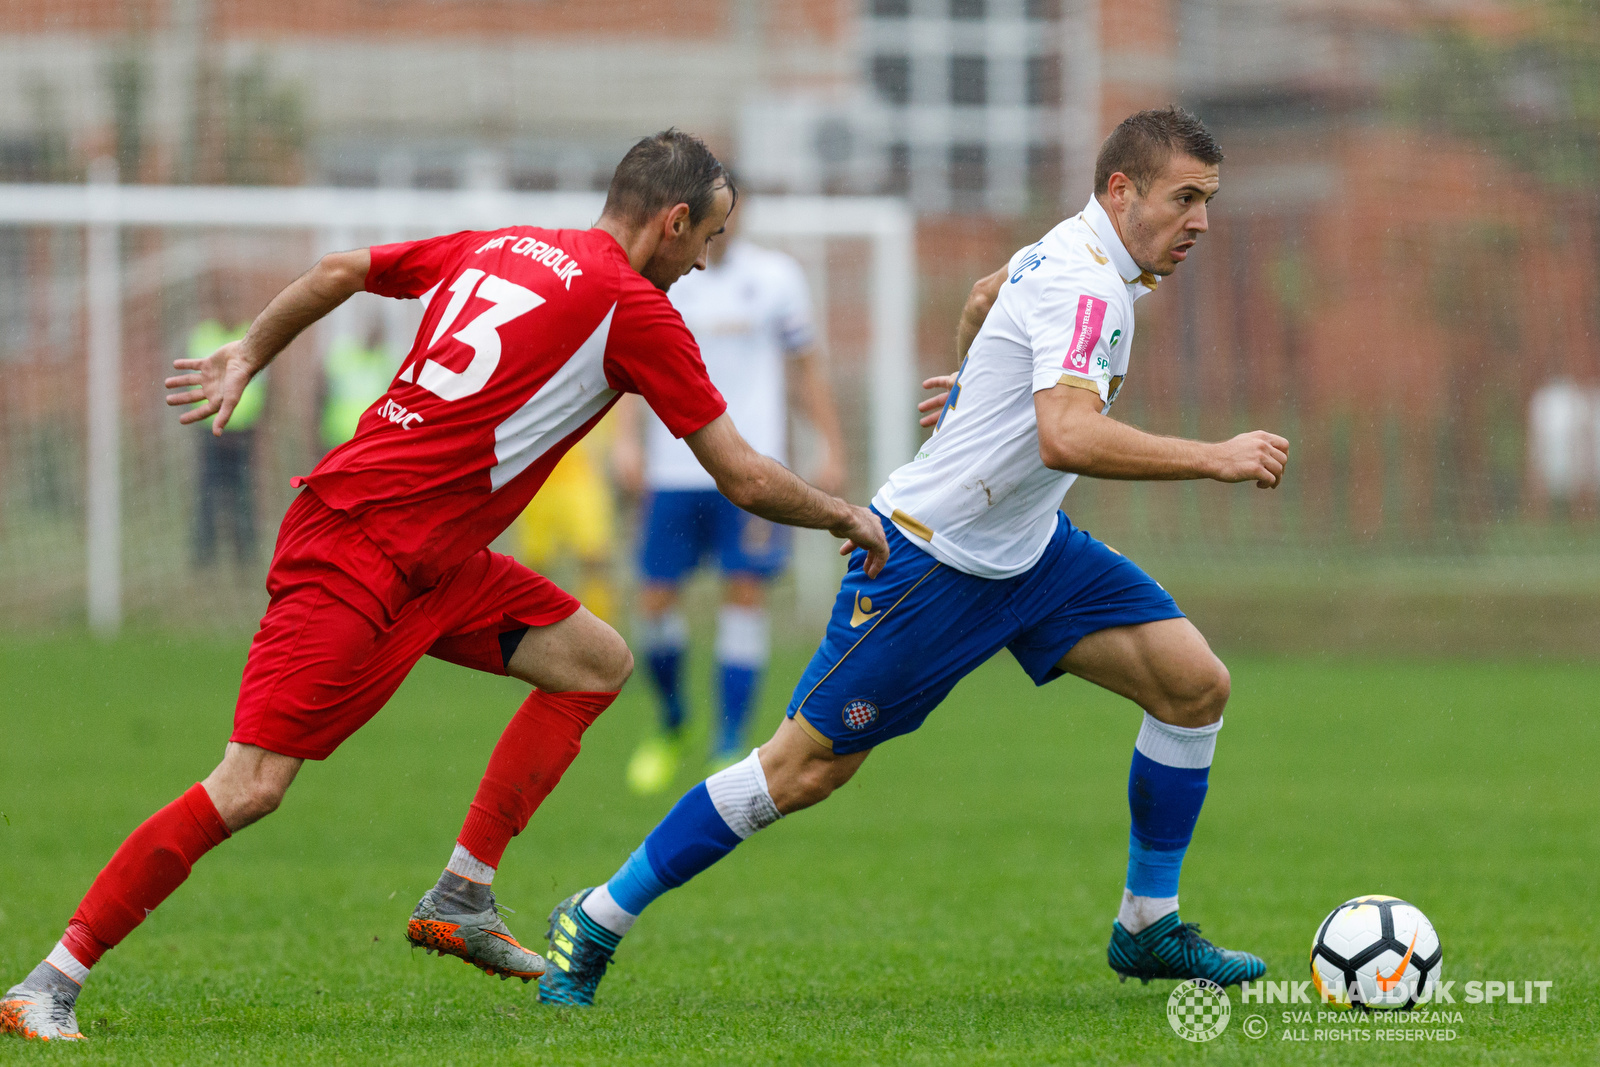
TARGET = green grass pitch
x,y
951,905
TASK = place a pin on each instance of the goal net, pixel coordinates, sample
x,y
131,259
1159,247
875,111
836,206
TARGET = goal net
x,y
113,512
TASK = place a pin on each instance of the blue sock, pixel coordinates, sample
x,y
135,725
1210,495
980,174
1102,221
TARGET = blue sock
x,y
743,641
665,638
665,664
701,828
1166,788
738,689
691,838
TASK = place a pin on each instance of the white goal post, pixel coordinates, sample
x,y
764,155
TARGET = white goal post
x,y
104,207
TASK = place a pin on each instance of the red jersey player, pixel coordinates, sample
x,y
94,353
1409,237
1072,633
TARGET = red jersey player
x,y
528,337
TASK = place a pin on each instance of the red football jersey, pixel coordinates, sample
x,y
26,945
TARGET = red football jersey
x,y
528,337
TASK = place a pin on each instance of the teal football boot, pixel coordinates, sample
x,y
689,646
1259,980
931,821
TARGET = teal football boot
x,y
580,951
1171,948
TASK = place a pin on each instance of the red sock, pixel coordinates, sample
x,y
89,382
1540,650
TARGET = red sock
x,y
152,862
538,745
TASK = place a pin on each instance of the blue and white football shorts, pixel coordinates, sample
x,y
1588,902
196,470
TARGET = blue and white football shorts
x,y
683,527
897,644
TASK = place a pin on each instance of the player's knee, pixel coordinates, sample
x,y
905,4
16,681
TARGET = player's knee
x,y
621,667
610,663
1203,695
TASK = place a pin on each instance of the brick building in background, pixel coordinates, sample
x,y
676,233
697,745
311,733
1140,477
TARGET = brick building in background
x,y
1389,292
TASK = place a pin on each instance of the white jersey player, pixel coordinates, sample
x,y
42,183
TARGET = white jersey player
x,y
982,560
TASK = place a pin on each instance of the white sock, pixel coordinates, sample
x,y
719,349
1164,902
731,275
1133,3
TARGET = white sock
x,y
67,963
603,909
668,630
1177,746
1137,913
464,864
743,637
741,798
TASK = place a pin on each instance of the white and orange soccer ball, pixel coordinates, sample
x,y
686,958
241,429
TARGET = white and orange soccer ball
x,y
1376,952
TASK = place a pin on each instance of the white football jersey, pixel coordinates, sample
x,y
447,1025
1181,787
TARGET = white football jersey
x,y
749,313
977,496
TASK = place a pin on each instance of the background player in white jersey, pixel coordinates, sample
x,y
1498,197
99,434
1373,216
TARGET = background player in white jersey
x,y
982,559
750,311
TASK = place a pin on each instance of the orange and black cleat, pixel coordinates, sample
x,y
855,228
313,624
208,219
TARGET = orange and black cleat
x,y
480,937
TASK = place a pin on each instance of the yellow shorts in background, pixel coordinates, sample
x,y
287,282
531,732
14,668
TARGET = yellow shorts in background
x,y
572,513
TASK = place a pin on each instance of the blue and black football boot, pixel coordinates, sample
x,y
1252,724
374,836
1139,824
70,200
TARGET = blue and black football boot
x,y
1171,948
580,951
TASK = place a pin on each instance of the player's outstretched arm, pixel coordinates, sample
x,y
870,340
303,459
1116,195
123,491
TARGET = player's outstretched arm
x,y
984,293
763,486
1075,437
220,378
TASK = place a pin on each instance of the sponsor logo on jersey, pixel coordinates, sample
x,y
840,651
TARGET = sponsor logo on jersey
x,y
1029,262
1116,335
1086,324
565,267
863,611
860,714
398,415
1098,254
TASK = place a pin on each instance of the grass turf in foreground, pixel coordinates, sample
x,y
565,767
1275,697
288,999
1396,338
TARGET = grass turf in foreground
x,y
949,906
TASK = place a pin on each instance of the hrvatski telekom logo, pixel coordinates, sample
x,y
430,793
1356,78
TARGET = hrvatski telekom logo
x,y
1086,325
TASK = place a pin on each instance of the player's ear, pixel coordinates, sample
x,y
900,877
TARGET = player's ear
x,y
678,220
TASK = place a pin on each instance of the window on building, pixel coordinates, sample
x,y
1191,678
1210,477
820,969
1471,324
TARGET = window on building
x,y
891,9
968,9
968,168
1044,81
891,76
1044,173
897,173
1043,10
969,80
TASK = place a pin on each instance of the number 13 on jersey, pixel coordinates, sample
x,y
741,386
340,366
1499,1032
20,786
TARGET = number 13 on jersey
x,y
508,301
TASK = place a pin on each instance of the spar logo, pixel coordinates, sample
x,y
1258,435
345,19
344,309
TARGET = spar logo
x,y
1086,324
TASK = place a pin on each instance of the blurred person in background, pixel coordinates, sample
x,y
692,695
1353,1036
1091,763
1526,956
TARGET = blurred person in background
x,y
750,311
354,375
573,519
227,478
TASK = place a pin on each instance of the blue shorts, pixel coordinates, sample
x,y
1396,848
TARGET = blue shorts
x,y
682,527
898,643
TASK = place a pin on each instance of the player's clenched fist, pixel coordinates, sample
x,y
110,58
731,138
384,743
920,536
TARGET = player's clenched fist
x,y
218,380
1257,456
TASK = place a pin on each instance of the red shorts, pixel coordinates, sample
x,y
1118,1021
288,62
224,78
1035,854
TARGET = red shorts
x,y
344,629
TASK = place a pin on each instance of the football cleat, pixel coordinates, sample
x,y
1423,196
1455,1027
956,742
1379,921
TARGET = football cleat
x,y
480,938
1131,959
654,765
38,1015
1171,948
580,951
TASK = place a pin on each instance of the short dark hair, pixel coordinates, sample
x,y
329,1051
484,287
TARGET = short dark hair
x,y
1143,142
664,170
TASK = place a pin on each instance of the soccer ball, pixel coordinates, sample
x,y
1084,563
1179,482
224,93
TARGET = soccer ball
x,y
1376,952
